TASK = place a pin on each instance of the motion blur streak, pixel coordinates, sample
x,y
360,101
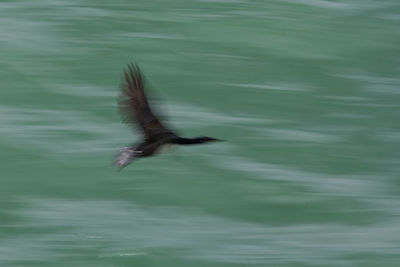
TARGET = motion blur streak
x,y
306,93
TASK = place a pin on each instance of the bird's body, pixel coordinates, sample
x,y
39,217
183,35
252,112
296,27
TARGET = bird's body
x,y
135,108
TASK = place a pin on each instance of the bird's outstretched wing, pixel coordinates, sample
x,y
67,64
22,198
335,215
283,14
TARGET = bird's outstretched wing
x,y
135,108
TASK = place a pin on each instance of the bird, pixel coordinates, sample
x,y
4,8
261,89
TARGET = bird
x,y
135,109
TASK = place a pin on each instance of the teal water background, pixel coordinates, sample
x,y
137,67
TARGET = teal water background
x,y
306,93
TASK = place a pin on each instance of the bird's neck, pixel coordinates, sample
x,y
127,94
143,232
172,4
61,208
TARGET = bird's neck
x,y
188,141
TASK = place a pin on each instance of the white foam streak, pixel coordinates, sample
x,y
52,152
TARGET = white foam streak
x,y
143,228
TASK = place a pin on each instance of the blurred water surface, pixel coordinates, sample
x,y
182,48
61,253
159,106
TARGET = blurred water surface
x,y
306,93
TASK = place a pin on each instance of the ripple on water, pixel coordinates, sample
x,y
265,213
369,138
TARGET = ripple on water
x,y
123,229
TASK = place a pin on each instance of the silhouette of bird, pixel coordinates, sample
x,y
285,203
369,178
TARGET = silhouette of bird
x,y
135,108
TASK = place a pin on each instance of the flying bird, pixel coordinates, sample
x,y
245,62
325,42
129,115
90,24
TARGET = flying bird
x,y
135,109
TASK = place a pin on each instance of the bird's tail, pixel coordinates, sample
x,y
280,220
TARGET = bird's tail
x,y
125,156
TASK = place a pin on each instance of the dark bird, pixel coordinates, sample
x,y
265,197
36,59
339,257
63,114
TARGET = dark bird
x,y
135,108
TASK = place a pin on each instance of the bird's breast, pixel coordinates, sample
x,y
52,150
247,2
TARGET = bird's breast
x,y
164,148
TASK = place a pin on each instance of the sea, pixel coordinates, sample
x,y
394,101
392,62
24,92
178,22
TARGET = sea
x,y
304,93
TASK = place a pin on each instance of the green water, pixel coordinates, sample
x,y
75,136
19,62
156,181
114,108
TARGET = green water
x,y
306,93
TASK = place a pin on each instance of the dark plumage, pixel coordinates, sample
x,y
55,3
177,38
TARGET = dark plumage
x,y
136,109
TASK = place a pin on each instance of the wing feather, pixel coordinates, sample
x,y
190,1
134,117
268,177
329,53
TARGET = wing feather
x,y
134,106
